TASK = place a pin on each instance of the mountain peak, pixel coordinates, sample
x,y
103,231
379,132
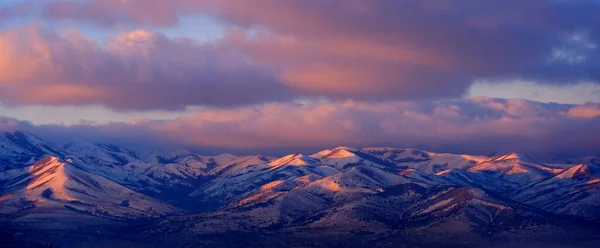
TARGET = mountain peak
x,y
225,158
298,159
517,156
513,155
50,173
346,148
338,152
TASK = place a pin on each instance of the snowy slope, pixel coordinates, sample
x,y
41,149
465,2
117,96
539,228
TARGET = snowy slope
x,y
52,183
575,191
426,162
19,149
230,188
516,168
469,210
344,188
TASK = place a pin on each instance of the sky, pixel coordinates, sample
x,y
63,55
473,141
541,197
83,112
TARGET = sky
x,y
271,76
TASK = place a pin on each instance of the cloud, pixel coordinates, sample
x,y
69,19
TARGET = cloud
x,y
12,11
8,124
585,111
135,71
476,126
426,41
573,94
282,50
117,12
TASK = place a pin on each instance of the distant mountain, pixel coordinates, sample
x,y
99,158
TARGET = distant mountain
x,y
18,149
379,193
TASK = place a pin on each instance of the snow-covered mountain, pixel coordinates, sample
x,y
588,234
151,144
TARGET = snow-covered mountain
x,y
346,190
574,191
51,184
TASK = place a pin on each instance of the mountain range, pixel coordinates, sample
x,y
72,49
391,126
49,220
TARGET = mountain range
x,y
383,197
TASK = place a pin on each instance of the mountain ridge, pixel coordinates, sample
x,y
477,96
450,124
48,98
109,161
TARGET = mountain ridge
x,y
343,190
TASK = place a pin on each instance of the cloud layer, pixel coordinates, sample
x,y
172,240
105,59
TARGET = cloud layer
x,y
369,73
283,50
476,126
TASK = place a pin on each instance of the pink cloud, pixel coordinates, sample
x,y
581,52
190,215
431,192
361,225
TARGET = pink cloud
x,y
281,50
135,70
585,111
355,69
474,39
364,50
463,126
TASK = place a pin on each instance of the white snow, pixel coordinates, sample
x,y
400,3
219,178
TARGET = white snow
x,y
110,178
